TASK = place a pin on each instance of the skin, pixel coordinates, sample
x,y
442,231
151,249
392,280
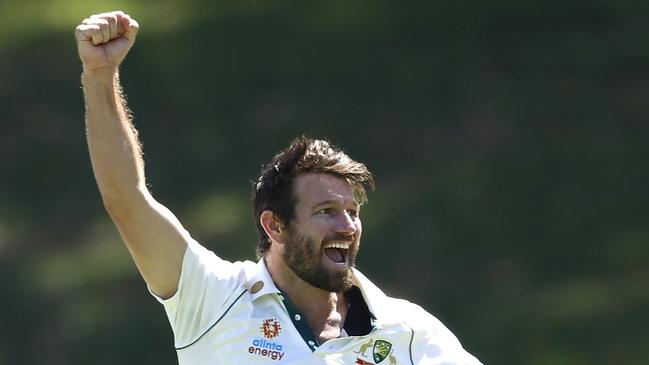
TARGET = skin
x,y
153,235
326,210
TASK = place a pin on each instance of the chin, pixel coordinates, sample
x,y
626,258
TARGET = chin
x,y
340,281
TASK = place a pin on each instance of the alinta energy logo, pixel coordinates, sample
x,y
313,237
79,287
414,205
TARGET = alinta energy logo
x,y
270,328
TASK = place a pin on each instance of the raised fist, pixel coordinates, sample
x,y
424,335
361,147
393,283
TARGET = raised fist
x,y
103,40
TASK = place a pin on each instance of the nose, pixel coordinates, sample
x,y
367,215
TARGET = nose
x,y
345,224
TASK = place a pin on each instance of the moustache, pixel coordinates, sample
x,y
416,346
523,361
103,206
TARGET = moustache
x,y
338,238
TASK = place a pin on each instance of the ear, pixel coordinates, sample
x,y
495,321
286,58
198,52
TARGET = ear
x,y
272,226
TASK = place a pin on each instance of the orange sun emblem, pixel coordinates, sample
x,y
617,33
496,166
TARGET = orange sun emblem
x,y
271,328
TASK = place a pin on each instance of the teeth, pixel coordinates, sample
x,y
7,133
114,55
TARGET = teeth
x,y
343,245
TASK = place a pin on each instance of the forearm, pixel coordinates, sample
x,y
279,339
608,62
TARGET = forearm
x,y
113,144
153,235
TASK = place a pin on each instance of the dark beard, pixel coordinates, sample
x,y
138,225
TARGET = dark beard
x,y
303,256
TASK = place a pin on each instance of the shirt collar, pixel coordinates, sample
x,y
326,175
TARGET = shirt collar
x,y
258,280
259,283
379,304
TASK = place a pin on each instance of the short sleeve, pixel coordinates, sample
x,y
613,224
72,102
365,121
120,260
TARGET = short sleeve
x,y
207,285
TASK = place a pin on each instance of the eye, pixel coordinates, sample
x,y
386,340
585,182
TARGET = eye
x,y
325,211
352,213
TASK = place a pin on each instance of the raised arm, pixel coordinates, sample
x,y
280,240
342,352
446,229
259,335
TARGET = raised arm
x,y
153,235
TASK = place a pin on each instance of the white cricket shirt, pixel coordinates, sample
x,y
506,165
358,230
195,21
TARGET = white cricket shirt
x,y
232,313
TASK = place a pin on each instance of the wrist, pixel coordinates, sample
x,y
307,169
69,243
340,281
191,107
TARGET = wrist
x,y
103,74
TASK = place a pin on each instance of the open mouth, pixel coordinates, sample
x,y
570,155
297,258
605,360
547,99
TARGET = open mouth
x,y
336,252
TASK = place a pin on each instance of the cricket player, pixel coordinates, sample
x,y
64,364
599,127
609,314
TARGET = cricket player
x,y
303,302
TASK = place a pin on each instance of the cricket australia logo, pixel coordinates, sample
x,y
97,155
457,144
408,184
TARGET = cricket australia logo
x,y
271,328
381,350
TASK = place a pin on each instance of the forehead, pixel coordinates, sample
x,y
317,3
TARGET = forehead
x,y
314,188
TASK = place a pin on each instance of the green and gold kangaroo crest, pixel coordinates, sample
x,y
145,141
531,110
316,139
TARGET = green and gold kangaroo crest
x,y
381,350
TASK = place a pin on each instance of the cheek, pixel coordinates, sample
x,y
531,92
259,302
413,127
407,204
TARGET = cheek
x,y
322,226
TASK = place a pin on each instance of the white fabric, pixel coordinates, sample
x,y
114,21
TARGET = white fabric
x,y
216,319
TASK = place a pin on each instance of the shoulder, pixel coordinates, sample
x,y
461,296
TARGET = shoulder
x,y
431,340
392,309
205,277
198,256
416,317
396,309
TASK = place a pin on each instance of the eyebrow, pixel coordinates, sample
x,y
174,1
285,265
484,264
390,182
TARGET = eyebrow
x,y
333,202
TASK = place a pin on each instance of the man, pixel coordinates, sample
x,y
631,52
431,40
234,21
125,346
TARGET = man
x,y
303,302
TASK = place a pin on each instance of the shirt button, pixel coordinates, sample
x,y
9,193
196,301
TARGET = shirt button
x,y
257,287
297,317
311,343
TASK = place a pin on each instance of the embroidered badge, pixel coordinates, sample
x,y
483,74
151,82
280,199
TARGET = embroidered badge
x,y
271,328
364,347
381,350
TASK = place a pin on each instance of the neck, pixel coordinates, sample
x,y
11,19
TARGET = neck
x,y
325,311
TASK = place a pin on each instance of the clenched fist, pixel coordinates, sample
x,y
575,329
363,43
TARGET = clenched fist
x,y
103,40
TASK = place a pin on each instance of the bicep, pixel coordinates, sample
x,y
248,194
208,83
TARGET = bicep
x,y
155,238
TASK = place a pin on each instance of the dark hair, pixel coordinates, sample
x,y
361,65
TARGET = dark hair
x,y
273,190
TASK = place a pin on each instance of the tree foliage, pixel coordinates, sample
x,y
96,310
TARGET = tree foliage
x,y
508,141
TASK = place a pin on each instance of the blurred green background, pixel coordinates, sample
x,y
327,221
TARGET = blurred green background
x,y
508,139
